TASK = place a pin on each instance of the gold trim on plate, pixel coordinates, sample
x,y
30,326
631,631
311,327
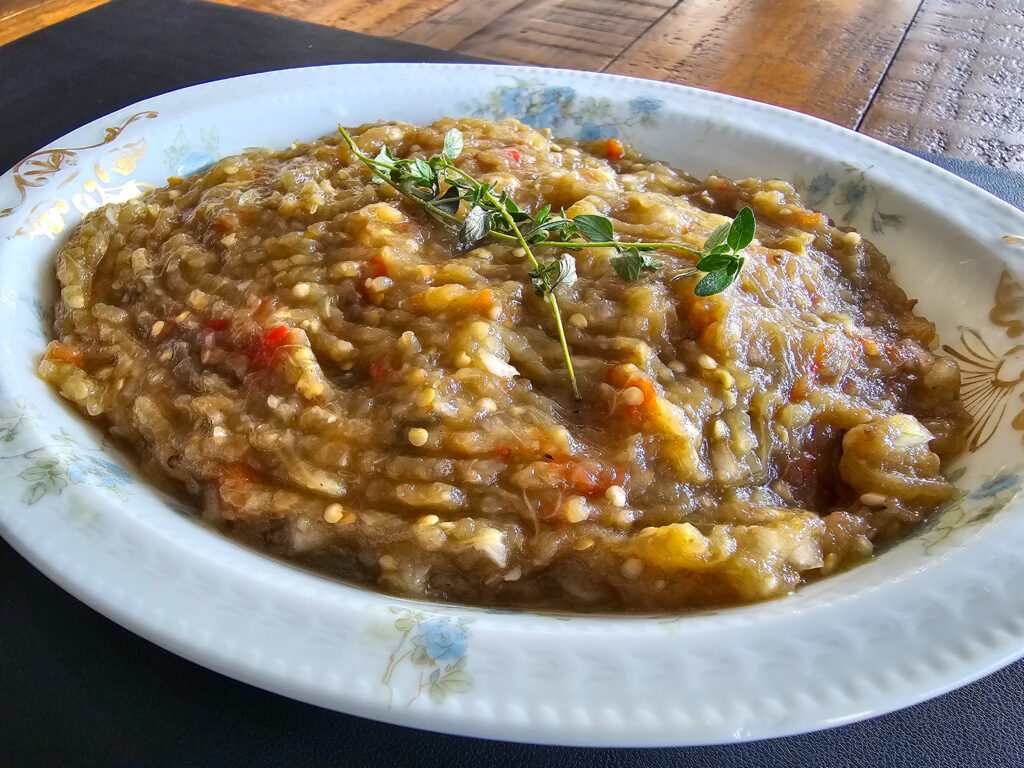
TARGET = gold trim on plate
x,y
39,167
987,377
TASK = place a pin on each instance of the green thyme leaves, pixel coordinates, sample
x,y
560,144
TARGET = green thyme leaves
x,y
423,174
489,214
741,231
550,276
629,259
599,229
475,226
629,262
720,257
452,144
448,202
443,190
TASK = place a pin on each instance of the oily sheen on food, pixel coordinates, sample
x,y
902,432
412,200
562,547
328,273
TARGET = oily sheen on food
x,y
331,376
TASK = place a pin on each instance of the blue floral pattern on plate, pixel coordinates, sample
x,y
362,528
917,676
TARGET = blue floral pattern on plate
x,y
969,509
562,110
50,470
442,639
185,156
430,655
854,195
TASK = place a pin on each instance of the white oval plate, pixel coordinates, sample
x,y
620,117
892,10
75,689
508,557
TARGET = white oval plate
x,y
941,609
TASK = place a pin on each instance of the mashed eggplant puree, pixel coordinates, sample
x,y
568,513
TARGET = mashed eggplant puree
x,y
331,378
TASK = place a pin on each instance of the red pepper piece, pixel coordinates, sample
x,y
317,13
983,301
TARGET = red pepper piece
x,y
262,349
614,150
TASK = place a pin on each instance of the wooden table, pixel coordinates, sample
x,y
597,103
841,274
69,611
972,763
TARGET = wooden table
x,y
941,75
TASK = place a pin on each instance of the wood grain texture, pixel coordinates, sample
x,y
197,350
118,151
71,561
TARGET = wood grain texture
x,y
20,17
952,83
9,8
386,18
578,34
957,85
457,21
825,58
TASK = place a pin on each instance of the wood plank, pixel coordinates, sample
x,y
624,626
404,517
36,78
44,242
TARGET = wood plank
x,y
457,21
956,85
578,34
20,17
9,8
386,18
824,58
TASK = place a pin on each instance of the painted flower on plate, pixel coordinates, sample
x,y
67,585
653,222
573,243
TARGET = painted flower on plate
x,y
591,131
562,110
644,105
537,107
443,640
995,486
430,657
96,471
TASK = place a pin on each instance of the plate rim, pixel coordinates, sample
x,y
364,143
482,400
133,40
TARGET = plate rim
x,y
429,720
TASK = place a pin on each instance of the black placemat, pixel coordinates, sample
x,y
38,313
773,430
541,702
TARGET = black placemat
x,y
77,690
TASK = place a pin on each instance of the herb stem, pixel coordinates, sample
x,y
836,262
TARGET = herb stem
x,y
373,165
383,170
498,217
549,292
643,245
684,273
380,168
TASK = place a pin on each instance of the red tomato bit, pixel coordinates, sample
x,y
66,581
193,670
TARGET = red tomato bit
x,y
276,335
59,352
484,301
614,150
263,348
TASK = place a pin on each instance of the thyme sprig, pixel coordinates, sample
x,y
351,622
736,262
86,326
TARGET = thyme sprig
x,y
441,187
489,214
720,258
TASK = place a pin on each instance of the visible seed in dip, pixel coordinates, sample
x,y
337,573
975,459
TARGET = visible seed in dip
x,y
333,376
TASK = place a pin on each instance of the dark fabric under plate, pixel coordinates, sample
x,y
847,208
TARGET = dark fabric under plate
x,y
78,690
